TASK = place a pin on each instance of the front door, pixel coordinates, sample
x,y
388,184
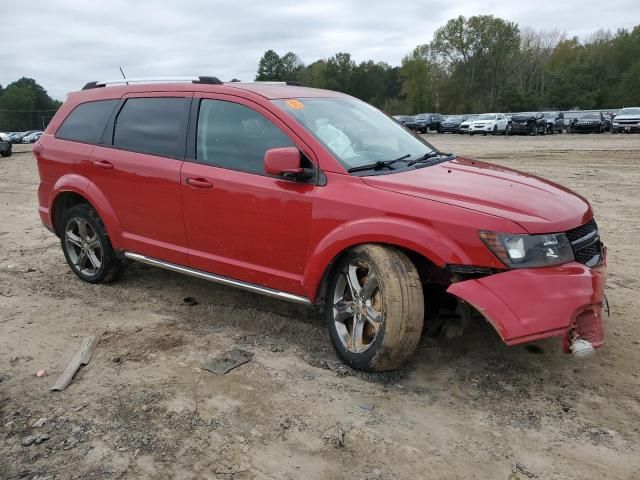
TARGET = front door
x,y
240,222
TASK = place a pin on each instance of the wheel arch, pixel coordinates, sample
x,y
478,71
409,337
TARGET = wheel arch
x,y
423,245
74,190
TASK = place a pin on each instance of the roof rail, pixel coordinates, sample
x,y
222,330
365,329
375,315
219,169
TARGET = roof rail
x,y
127,81
271,82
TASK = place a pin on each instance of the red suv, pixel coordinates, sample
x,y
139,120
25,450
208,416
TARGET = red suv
x,y
315,197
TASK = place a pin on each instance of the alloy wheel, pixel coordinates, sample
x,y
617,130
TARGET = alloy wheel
x,y
357,307
83,246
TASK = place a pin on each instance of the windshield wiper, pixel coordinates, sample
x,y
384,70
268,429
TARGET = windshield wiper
x,y
377,165
426,156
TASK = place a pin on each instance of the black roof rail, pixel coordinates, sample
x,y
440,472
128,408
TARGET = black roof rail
x,y
207,80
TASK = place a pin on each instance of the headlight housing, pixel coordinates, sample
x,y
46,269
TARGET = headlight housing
x,y
528,251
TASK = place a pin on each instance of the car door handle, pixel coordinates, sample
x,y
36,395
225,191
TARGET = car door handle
x,y
103,164
199,183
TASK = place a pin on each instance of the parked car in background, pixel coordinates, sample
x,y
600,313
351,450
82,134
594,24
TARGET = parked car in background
x,y
407,120
528,123
5,148
555,122
32,137
429,121
608,121
492,123
627,120
381,227
592,122
4,137
17,137
451,123
464,126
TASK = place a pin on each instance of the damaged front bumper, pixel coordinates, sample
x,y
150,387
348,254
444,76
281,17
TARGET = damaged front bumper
x,y
530,304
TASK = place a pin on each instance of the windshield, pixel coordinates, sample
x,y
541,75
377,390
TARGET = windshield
x,y
525,114
355,132
471,118
487,116
590,116
455,118
550,115
629,111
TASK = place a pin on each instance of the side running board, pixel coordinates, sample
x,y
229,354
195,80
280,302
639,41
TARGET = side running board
x,y
218,278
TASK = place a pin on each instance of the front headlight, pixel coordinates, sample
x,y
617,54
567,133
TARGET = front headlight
x,y
527,251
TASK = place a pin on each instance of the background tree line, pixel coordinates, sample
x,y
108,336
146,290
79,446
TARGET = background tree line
x,y
483,63
25,105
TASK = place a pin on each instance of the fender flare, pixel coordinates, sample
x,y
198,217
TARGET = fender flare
x,y
91,193
417,237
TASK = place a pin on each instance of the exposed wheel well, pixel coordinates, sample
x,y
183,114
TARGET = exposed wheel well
x,y
64,201
430,273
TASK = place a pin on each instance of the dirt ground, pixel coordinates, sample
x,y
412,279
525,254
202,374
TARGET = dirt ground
x,y
461,408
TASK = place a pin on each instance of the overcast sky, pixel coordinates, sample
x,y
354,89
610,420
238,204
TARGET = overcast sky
x,y
65,43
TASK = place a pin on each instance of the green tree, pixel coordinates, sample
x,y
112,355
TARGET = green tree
x,y
25,105
270,67
418,73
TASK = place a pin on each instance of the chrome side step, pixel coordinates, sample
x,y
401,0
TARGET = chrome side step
x,y
218,278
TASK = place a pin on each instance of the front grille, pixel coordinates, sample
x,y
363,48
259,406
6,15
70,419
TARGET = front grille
x,y
586,244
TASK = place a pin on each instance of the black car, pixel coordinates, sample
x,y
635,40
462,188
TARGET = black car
x,y
528,123
555,122
451,124
429,121
593,122
5,148
408,121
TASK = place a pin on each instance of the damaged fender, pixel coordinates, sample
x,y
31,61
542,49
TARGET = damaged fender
x,y
530,304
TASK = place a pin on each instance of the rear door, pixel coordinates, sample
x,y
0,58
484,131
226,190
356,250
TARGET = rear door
x,y
138,169
240,222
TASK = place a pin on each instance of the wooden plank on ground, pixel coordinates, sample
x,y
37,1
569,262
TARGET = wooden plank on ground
x,y
82,357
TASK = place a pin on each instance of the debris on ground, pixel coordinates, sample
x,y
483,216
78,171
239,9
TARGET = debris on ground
x,y
41,373
37,439
369,407
227,361
520,468
82,357
39,423
4,377
190,301
335,436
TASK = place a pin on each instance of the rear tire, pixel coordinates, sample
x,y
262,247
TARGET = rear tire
x,y
87,247
375,308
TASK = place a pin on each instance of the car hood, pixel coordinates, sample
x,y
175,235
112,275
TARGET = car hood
x,y
627,117
539,206
521,118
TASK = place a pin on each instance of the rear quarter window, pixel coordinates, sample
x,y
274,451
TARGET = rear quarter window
x,y
87,121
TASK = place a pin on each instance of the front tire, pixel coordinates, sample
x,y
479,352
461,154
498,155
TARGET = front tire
x,y
87,247
375,308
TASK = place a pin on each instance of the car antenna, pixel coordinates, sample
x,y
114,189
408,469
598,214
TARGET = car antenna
x,y
123,75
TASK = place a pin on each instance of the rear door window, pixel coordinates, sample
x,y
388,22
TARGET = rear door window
x,y
233,136
156,126
87,121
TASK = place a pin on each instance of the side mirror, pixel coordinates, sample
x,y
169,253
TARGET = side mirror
x,y
286,162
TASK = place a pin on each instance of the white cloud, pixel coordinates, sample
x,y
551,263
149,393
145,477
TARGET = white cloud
x,y
65,43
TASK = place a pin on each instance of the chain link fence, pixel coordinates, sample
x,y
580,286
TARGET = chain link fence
x,y
22,120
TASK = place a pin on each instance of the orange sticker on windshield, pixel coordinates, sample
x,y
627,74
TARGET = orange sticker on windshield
x,y
297,104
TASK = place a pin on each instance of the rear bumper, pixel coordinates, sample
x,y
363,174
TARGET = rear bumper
x,y
530,304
